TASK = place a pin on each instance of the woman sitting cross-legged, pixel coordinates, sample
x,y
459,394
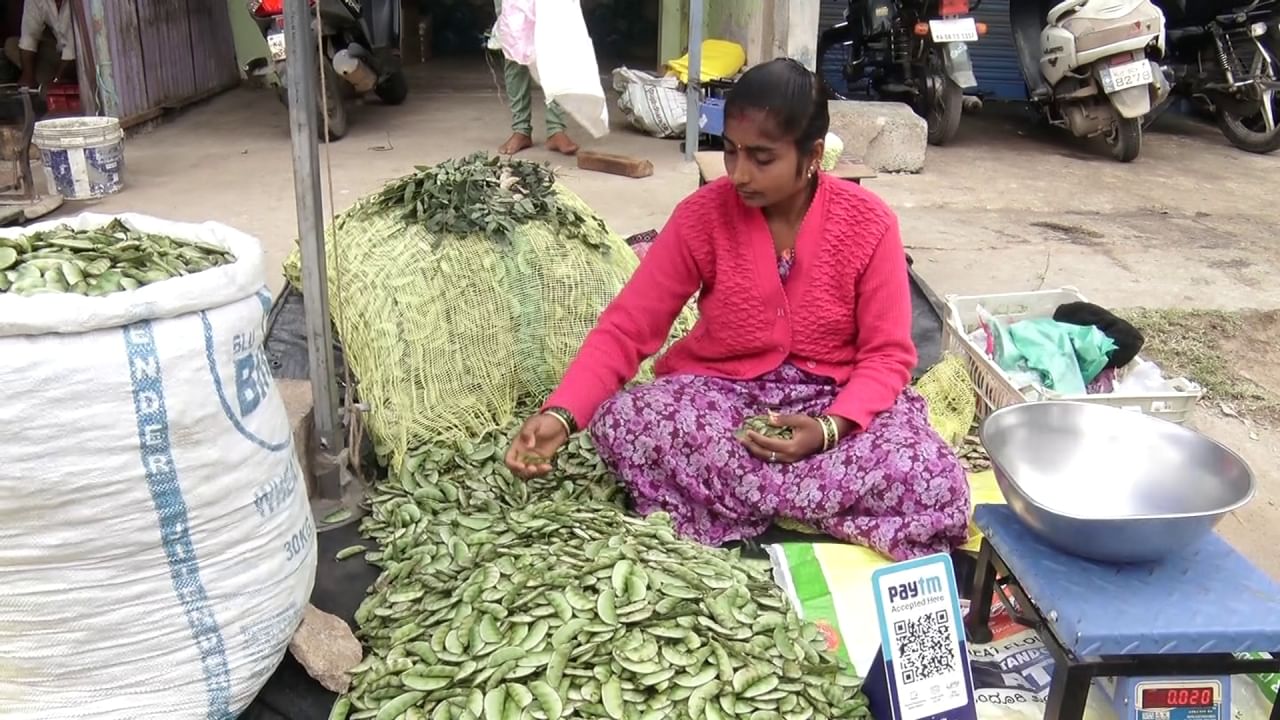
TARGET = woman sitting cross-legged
x,y
805,311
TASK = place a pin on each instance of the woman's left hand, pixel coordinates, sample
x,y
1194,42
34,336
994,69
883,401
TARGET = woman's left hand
x,y
806,440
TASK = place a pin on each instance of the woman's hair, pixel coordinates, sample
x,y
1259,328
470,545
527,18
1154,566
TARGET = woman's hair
x,y
789,94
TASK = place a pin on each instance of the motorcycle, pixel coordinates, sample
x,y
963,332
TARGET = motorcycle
x,y
913,51
361,54
1227,60
1087,65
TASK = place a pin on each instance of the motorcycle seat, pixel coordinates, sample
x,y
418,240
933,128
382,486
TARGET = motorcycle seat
x,y
1055,14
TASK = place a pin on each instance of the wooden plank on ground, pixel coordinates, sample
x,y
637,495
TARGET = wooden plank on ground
x,y
710,165
623,165
852,171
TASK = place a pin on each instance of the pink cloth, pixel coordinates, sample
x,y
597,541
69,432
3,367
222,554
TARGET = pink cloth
x,y
516,21
1104,383
844,311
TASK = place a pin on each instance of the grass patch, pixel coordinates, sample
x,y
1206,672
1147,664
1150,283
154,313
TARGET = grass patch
x,y
1197,344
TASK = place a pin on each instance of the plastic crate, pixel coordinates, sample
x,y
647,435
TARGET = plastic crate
x,y
711,118
63,99
994,387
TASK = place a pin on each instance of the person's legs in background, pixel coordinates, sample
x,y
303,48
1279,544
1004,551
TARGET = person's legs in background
x,y
519,83
48,61
520,97
12,68
517,79
557,139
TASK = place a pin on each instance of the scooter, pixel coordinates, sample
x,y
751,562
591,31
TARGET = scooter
x,y
361,54
913,51
1090,65
1226,59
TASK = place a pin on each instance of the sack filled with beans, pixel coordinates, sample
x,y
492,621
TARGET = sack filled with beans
x,y
156,544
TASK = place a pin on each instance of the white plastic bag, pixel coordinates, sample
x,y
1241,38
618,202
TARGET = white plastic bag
x,y
1141,377
514,30
564,64
156,544
653,105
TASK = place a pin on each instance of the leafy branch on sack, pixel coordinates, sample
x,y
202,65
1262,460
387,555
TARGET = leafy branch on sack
x,y
491,195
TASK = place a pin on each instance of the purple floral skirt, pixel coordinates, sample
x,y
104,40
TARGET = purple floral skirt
x,y
895,487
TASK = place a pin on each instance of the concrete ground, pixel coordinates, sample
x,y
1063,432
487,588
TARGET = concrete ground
x,y
1008,207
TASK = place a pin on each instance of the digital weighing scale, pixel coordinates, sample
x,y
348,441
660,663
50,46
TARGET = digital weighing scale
x,y
1203,698
1160,640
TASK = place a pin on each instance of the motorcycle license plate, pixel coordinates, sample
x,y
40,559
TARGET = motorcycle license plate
x,y
956,30
1123,77
275,43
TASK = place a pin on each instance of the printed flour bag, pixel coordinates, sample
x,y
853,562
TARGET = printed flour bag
x,y
156,543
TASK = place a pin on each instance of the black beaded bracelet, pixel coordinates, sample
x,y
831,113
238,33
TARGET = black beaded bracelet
x,y
565,417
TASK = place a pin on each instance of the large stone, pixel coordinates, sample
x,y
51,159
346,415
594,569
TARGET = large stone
x,y
299,405
326,647
885,136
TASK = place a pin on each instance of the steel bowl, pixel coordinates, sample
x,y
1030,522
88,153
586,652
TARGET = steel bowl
x,y
1110,484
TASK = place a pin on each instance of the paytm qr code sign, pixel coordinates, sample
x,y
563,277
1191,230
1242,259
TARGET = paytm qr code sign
x,y
922,636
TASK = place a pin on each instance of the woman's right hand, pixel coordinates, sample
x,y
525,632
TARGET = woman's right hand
x,y
536,445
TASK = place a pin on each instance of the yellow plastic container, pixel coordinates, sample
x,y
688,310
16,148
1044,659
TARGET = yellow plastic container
x,y
720,59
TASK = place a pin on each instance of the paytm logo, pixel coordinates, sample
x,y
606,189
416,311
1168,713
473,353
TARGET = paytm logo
x,y
914,590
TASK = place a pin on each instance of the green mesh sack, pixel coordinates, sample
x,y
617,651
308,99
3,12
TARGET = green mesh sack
x,y
446,333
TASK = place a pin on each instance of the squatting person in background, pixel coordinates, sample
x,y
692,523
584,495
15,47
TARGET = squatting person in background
x,y
43,59
805,310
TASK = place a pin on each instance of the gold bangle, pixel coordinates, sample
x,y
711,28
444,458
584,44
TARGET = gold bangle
x,y
833,430
830,432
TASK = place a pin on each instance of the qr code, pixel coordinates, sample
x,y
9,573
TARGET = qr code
x,y
925,646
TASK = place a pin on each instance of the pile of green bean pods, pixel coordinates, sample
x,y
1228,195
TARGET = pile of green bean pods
x,y
101,261
763,424
506,600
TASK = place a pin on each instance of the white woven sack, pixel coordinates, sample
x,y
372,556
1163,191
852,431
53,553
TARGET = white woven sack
x,y
654,105
156,544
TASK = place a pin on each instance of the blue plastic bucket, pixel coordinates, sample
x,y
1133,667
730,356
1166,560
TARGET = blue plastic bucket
x,y
83,157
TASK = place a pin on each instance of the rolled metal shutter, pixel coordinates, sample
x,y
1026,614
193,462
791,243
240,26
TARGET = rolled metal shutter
x,y
831,12
995,57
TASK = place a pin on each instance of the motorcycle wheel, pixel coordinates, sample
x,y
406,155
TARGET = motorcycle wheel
x,y
1259,132
394,89
1125,139
335,109
942,102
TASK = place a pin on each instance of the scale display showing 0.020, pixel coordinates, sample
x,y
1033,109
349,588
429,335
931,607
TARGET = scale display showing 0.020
x,y
1181,697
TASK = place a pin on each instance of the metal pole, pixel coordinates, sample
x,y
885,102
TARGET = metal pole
x,y
693,98
301,82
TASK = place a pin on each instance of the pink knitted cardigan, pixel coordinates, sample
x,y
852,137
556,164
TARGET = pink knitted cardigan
x,y
843,313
